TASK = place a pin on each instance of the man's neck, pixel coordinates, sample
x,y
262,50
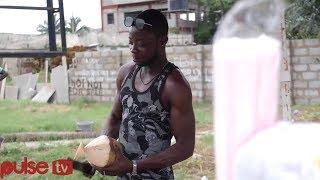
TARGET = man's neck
x,y
156,66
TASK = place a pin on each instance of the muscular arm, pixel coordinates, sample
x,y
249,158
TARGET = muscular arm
x,y
112,124
182,124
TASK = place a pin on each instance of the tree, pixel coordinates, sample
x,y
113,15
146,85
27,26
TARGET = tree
x,y
73,25
43,28
212,14
303,19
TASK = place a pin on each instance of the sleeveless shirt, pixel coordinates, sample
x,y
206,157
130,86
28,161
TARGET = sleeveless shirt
x,y
145,127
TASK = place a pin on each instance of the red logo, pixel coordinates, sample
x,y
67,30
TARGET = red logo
x,y
62,167
59,167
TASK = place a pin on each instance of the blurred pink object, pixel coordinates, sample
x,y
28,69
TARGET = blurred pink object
x,y
246,82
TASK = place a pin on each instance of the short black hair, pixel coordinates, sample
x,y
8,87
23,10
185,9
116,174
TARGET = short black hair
x,y
157,19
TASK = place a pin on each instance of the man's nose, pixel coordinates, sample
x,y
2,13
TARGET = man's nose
x,y
133,48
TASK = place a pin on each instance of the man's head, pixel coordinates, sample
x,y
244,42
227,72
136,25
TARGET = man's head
x,y
148,36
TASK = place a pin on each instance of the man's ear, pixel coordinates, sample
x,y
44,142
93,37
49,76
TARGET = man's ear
x,y
163,40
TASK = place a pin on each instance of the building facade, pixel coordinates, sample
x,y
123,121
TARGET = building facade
x,y
181,21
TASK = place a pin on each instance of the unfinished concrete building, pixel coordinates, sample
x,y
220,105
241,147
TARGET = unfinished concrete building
x,y
181,14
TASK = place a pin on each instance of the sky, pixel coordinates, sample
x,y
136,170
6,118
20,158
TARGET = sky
x,y
26,21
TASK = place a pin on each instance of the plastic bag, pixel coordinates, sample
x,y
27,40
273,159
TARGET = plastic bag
x,y
247,55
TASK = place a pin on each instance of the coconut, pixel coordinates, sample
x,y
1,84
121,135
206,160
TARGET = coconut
x,y
100,152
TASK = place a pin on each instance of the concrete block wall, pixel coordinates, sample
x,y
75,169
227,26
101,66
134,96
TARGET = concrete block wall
x,y
189,60
93,74
305,62
196,64
31,42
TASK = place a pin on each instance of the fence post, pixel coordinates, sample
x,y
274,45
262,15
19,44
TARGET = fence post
x,y
202,97
285,74
46,66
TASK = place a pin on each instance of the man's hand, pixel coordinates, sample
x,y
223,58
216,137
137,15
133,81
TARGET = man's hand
x,y
121,166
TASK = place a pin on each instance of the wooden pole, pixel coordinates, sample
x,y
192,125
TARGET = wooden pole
x,y
46,66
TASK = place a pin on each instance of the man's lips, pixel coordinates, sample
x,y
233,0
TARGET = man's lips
x,y
136,57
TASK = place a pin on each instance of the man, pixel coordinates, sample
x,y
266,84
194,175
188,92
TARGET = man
x,y
153,103
3,74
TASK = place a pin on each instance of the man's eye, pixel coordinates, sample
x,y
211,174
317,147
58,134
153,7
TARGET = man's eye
x,y
142,44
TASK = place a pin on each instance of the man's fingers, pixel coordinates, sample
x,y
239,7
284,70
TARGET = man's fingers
x,y
107,170
107,173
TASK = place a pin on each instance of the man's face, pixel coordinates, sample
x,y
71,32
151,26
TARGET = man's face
x,y
143,46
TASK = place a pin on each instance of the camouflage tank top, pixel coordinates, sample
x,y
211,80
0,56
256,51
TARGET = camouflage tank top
x,y
145,128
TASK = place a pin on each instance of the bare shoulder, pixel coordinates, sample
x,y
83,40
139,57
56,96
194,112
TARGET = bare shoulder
x,y
177,85
124,70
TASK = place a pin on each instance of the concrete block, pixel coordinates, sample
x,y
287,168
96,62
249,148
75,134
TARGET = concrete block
x,y
300,52
98,66
198,86
115,53
208,64
44,94
309,75
314,51
315,101
79,55
294,76
312,42
297,43
311,92
105,53
298,92
300,67
25,82
179,50
295,60
207,48
169,50
314,67
105,85
314,84
96,54
113,86
300,84
87,54
307,60
301,101
11,92
104,99
59,80
199,56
